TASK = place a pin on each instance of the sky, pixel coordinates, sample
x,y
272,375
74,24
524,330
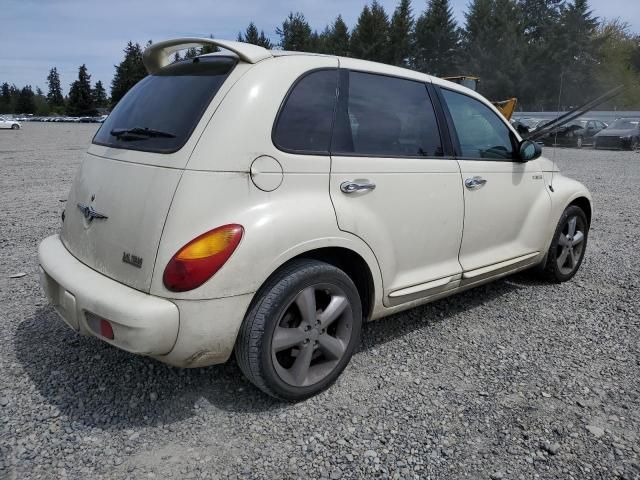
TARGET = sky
x,y
37,35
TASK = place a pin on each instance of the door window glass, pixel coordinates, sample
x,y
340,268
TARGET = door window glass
x,y
304,124
480,132
387,117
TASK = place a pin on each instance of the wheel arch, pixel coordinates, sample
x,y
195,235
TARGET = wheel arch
x,y
350,262
584,204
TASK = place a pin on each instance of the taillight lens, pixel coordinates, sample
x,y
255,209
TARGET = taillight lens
x,y
201,258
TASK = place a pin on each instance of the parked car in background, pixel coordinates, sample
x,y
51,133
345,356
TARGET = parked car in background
x,y
527,124
624,133
305,195
578,133
9,123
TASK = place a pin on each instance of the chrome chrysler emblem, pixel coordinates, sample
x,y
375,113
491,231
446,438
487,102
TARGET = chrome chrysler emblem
x,y
89,212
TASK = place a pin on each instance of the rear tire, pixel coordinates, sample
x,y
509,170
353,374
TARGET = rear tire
x,y
15,127
635,144
300,331
568,246
579,142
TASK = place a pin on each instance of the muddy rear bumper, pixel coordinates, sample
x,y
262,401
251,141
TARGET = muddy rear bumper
x,y
183,333
141,323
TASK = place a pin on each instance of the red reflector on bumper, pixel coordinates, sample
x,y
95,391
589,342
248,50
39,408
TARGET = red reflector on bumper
x,y
105,329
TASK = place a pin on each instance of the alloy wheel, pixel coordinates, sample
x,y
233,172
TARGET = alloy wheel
x,y
571,245
312,336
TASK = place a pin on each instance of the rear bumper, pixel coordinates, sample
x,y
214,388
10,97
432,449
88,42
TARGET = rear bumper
x,y
183,333
141,323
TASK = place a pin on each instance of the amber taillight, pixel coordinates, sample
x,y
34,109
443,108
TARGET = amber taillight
x,y
201,258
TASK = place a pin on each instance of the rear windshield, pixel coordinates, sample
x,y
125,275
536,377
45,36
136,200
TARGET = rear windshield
x,y
159,113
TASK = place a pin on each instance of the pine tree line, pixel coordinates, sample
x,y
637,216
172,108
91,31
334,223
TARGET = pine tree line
x,y
530,49
83,100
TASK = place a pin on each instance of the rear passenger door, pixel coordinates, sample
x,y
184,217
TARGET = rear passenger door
x,y
506,204
392,185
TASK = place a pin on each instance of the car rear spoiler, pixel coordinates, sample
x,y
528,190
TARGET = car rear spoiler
x,y
573,114
161,54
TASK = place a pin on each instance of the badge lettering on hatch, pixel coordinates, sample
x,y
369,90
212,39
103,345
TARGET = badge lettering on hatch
x,y
132,259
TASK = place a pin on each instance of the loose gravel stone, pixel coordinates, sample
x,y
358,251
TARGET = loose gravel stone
x,y
596,431
77,408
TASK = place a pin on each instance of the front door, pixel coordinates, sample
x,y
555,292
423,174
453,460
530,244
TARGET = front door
x,y
392,187
507,207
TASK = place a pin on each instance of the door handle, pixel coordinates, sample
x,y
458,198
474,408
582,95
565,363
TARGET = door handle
x,y
474,182
356,186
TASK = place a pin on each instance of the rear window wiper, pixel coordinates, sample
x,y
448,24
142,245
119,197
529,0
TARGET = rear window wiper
x,y
139,133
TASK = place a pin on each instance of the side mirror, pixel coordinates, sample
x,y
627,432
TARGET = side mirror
x,y
529,150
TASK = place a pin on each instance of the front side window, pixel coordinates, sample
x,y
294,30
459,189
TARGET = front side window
x,y
160,112
481,133
388,117
304,122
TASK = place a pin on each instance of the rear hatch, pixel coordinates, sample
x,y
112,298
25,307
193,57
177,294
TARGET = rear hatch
x,y
120,198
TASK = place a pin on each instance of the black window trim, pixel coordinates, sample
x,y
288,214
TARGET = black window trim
x,y
167,151
283,104
342,98
343,101
454,134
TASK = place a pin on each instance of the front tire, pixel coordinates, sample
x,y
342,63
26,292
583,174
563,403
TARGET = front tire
x,y
579,142
15,127
300,331
635,144
568,246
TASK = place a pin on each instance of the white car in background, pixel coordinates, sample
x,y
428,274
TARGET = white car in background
x,y
268,203
9,123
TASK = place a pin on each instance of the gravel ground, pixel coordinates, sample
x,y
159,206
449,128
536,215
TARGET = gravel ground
x,y
516,379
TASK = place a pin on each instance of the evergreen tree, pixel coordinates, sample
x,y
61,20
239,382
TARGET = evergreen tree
x,y
80,95
99,95
203,50
540,29
41,103
5,99
493,46
578,53
263,41
129,72
251,35
295,33
54,96
191,53
370,36
400,34
336,38
25,102
437,47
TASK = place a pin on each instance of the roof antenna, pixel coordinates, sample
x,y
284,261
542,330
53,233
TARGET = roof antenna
x,y
555,140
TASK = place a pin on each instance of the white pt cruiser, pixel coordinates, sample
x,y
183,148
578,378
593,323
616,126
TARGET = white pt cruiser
x,y
268,203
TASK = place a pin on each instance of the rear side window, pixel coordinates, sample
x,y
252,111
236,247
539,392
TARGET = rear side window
x,y
389,117
481,133
304,123
160,112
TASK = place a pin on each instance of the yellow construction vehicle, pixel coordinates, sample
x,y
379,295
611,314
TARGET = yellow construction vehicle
x,y
506,107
